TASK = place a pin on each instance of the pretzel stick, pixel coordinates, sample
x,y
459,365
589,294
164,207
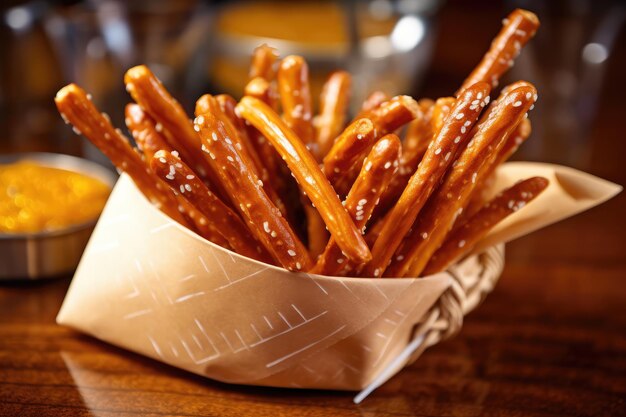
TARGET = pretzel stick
x,y
75,107
150,141
295,97
260,88
453,135
334,102
264,65
518,28
221,220
378,168
419,134
437,217
308,174
462,240
440,110
346,151
513,142
264,220
149,93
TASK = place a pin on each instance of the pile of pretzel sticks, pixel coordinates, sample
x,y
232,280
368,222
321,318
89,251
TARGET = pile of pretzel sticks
x,y
267,179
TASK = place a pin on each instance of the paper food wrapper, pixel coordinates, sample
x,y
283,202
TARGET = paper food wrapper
x,y
151,286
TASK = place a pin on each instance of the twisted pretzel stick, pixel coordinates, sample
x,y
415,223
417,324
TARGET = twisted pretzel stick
x,y
453,135
309,176
462,240
246,190
295,96
334,102
518,28
438,216
513,142
76,108
221,220
150,141
149,93
346,152
378,168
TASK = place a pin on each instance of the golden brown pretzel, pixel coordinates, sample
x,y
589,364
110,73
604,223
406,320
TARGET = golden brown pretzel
x,y
393,114
308,174
210,104
461,241
439,214
295,97
378,168
263,64
149,93
346,152
513,142
221,220
439,156
75,107
263,218
150,141
260,88
331,120
419,134
518,28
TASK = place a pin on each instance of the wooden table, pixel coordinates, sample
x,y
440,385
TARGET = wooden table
x,y
549,341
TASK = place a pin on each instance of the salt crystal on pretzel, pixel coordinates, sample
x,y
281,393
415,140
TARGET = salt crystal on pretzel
x,y
74,105
221,220
334,102
439,214
518,28
462,240
295,96
452,136
379,167
308,174
263,218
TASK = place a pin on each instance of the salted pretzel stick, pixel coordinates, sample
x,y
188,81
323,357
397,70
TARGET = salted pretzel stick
x,y
221,220
263,64
149,93
437,217
260,88
308,174
378,168
440,111
462,240
331,120
150,141
386,118
346,151
375,99
513,142
453,134
76,108
518,28
295,97
209,104
419,134
261,216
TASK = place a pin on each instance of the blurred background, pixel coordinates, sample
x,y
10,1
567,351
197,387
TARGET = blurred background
x,y
424,48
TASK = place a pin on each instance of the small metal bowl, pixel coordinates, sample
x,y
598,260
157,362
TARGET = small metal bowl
x,y
28,256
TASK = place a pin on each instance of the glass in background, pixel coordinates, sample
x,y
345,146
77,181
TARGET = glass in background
x,y
567,62
385,44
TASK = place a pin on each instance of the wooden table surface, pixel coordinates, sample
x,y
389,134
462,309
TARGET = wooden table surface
x,y
549,341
